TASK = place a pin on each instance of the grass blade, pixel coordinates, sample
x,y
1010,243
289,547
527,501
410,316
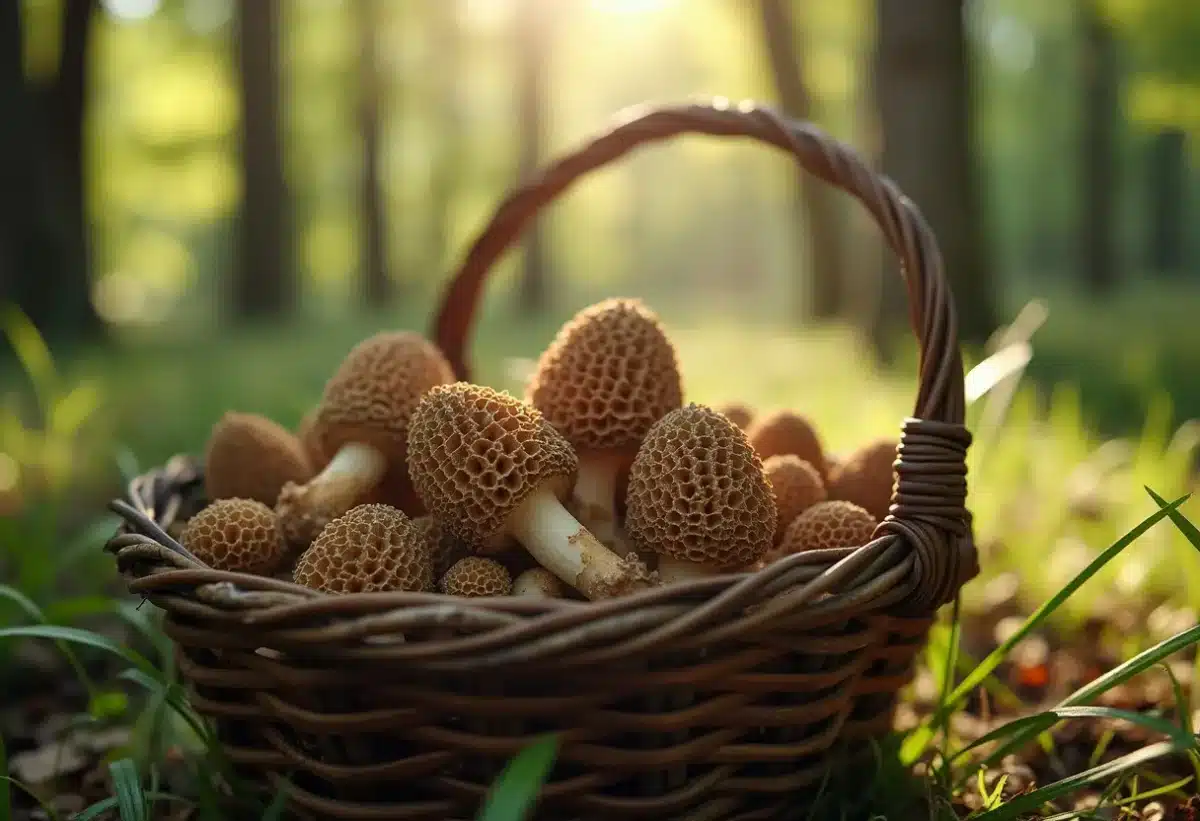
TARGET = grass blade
x,y
515,791
6,811
34,612
918,740
275,810
105,804
1098,686
1189,530
76,636
1022,806
131,801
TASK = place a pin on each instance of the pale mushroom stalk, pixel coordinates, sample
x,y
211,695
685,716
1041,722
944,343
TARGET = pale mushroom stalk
x,y
566,548
676,570
538,582
595,493
354,470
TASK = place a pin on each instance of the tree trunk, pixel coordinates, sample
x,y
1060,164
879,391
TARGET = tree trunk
x,y
816,209
1098,251
1167,184
263,279
43,236
533,33
376,283
446,64
923,92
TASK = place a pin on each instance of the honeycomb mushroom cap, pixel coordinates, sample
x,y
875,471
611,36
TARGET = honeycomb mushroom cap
x,y
249,456
866,477
609,374
797,487
369,548
738,413
444,548
476,454
785,431
476,576
371,397
827,525
697,492
238,535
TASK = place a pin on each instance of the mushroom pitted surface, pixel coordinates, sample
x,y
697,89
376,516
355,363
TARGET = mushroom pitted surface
x,y
249,456
476,576
797,487
828,525
362,425
698,496
368,549
238,535
490,467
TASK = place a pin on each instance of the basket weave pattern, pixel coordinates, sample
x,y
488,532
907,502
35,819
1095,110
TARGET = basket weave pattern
x,y
718,698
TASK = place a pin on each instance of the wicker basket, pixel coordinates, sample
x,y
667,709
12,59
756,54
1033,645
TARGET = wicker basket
x,y
720,698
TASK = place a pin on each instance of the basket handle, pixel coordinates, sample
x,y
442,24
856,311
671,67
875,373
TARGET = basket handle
x,y
928,502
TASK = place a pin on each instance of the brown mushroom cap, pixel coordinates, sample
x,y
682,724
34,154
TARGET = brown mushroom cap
x,y
444,548
371,397
866,477
608,375
475,454
476,576
367,549
785,431
697,492
797,487
738,413
252,457
238,535
310,440
827,525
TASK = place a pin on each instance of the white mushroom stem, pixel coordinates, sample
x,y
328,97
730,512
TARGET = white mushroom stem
x,y
595,494
538,582
353,470
676,570
569,550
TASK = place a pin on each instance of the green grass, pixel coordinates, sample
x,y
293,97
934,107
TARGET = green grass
x,y
1047,492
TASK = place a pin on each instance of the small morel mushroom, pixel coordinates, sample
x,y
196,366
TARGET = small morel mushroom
x,y
738,413
490,467
475,577
867,476
785,431
249,456
306,432
827,525
797,487
538,582
362,423
608,375
238,535
368,549
698,496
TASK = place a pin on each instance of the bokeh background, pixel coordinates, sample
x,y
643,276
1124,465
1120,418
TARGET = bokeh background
x,y
206,203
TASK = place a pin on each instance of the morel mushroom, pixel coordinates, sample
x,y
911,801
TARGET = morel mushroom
x,y
249,456
490,467
785,431
738,413
609,374
698,496
827,525
538,582
362,423
306,432
797,487
370,548
866,477
476,577
238,535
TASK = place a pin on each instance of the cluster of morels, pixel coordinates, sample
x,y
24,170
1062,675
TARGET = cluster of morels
x,y
601,481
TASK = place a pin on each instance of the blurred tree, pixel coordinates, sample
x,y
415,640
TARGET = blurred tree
x,y
264,281
1167,172
533,34
1098,152
447,56
43,227
816,208
923,86
376,283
